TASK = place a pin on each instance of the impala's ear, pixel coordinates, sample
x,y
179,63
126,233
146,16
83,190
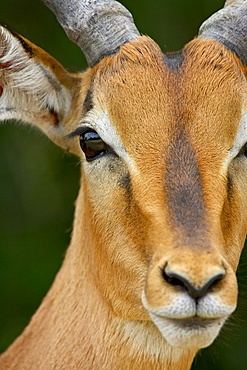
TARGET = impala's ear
x,y
36,89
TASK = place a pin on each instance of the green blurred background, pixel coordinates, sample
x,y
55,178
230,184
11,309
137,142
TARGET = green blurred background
x,y
39,182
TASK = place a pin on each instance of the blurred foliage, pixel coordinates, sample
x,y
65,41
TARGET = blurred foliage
x,y
39,182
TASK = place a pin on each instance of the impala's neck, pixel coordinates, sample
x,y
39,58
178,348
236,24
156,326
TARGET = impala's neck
x,y
74,324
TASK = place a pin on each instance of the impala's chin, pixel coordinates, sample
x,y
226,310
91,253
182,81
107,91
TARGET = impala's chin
x,y
188,323
194,332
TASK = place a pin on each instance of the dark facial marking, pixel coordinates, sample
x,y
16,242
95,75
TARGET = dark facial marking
x,y
88,102
54,116
229,182
125,183
174,60
183,187
229,186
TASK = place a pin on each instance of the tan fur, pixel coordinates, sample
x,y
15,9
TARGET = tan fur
x,y
93,316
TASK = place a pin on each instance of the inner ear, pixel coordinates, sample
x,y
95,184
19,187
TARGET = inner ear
x,y
35,88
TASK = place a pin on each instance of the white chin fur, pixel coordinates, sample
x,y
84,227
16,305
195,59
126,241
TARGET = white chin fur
x,y
188,333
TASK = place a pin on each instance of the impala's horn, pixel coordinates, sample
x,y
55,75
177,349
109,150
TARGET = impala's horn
x,y
98,27
229,26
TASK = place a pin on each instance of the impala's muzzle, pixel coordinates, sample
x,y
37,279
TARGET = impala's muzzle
x,y
189,294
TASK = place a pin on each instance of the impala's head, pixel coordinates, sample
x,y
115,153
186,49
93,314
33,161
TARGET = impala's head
x,y
163,148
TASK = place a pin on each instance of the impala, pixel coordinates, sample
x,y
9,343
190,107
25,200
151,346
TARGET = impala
x,y
161,217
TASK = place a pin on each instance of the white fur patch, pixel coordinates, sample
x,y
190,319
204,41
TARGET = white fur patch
x,y
240,139
101,123
187,337
171,319
26,83
144,339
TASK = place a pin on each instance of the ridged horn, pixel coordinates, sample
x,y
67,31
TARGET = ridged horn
x,y
229,26
98,27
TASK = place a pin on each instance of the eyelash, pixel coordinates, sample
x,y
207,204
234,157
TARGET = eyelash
x,y
91,143
79,131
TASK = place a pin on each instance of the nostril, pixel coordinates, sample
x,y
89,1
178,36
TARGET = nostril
x,y
181,282
173,279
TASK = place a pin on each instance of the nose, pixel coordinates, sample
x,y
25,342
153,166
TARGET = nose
x,y
181,282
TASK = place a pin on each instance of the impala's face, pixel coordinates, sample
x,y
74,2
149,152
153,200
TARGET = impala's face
x,y
166,171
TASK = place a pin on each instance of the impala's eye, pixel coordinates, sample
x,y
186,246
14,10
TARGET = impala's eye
x,y
92,145
245,150
242,152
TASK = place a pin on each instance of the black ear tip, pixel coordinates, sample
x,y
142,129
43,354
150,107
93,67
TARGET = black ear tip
x,y
28,49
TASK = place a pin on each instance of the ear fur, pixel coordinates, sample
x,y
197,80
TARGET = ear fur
x,y
35,88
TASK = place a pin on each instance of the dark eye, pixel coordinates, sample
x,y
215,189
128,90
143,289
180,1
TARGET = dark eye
x,y
245,151
92,145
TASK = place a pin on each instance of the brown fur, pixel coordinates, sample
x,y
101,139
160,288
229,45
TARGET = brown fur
x,y
93,317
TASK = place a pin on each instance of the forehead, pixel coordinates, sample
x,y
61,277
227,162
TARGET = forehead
x,y
199,90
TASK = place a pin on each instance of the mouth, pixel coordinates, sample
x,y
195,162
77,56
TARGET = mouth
x,y
194,323
193,332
